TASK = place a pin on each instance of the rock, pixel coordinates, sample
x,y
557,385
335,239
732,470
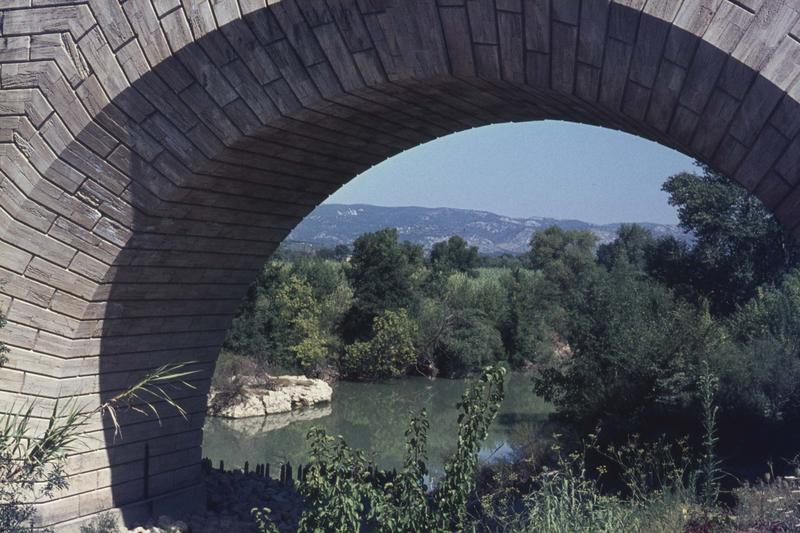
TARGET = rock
x,y
291,392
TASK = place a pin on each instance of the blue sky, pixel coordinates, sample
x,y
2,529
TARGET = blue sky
x,y
547,168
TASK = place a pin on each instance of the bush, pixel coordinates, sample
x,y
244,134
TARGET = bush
x,y
760,371
469,344
760,383
233,367
389,353
658,486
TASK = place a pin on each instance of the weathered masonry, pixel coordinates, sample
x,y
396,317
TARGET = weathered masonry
x,y
153,153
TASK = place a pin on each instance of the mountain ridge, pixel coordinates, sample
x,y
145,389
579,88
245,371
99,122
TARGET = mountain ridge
x,y
493,234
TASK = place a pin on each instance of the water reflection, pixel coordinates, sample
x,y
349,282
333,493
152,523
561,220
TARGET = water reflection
x,y
374,417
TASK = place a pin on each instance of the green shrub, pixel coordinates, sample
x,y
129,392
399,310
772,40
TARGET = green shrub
x,y
232,375
389,353
760,370
650,487
469,344
568,501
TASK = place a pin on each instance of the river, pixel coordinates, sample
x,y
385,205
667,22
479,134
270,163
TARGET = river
x,y
374,417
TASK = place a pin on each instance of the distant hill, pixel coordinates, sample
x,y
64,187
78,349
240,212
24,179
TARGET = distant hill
x,y
332,224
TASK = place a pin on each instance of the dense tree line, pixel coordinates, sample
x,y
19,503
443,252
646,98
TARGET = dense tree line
x,y
614,333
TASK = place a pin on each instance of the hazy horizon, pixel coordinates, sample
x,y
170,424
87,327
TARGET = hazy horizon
x,y
530,169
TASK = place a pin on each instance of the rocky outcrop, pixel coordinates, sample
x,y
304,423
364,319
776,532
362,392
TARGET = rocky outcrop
x,y
282,395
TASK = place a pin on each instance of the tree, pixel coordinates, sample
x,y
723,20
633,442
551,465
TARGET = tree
x,y
298,339
631,358
329,287
670,262
280,322
633,245
484,293
504,261
469,343
312,349
454,254
738,246
252,330
381,276
760,373
340,252
389,353
562,255
773,312
534,315
570,275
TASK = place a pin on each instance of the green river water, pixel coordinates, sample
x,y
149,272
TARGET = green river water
x,y
374,417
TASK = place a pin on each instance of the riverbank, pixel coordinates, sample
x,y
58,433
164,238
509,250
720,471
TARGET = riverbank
x,y
767,506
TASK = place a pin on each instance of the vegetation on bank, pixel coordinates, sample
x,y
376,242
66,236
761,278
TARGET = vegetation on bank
x,y
616,335
654,487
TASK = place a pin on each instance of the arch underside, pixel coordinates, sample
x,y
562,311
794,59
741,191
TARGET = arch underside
x,y
153,154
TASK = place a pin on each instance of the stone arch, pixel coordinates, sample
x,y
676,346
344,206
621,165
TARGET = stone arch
x,y
153,153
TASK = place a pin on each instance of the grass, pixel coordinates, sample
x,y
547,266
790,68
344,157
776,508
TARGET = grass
x,y
771,506
233,374
569,497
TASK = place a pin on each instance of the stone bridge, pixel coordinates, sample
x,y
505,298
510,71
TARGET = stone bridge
x,y
153,153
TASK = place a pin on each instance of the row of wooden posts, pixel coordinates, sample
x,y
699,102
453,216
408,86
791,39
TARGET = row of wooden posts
x,y
287,473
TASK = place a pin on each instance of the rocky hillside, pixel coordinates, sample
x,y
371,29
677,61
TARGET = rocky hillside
x,y
333,224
